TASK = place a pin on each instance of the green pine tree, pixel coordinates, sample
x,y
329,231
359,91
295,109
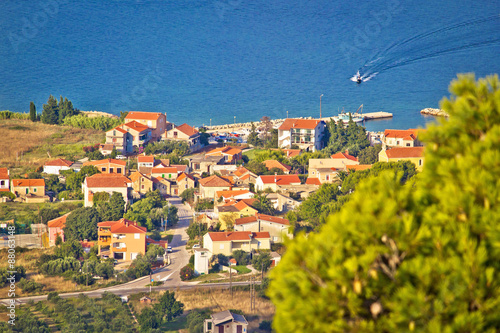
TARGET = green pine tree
x,y
50,113
421,256
33,112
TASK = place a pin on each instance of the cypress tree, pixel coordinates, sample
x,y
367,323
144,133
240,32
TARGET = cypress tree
x,y
32,111
50,113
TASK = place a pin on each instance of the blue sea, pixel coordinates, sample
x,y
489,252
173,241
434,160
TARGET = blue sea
x,y
219,61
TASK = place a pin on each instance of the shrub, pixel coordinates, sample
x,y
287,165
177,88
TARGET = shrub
x,y
187,273
30,286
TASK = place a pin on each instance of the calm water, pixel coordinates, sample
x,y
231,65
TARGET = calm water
x,y
202,60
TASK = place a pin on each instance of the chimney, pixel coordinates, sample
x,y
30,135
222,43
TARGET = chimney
x,y
347,151
275,176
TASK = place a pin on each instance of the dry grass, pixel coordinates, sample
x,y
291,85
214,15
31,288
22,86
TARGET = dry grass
x,y
27,145
218,300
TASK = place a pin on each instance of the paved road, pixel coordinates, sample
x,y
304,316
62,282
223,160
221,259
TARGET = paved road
x,y
169,274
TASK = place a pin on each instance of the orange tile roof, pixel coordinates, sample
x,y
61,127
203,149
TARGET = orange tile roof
x,y
107,180
274,219
291,152
136,175
145,159
123,226
240,171
87,244
231,193
405,152
4,173
245,220
186,129
243,204
312,181
214,181
359,167
276,164
299,123
28,182
119,129
280,179
106,161
142,115
343,156
245,177
107,146
58,162
410,134
59,222
184,175
224,151
164,170
136,126
236,235
179,167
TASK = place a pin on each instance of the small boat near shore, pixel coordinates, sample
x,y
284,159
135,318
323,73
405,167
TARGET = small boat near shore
x,y
357,116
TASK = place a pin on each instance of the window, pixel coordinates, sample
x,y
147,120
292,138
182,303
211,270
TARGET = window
x,y
137,236
119,170
327,177
103,169
408,145
419,162
313,172
114,139
114,133
2,182
209,325
34,190
169,175
111,170
142,187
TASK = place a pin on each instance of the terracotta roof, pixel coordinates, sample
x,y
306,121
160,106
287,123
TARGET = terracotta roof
x,y
359,167
280,179
291,152
299,123
405,152
4,189
136,175
136,126
107,146
231,193
240,171
4,173
123,226
274,219
184,175
107,180
59,162
276,164
245,177
214,181
179,167
87,244
119,129
106,161
140,115
28,182
59,222
242,204
410,134
245,220
236,235
145,159
312,181
165,161
164,170
343,156
186,129
224,151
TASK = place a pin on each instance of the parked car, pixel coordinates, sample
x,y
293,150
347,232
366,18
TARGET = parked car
x,y
169,249
120,157
196,246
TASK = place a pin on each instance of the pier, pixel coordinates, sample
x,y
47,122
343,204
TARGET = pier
x,y
377,115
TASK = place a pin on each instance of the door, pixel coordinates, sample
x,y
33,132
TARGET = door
x,y
221,329
239,329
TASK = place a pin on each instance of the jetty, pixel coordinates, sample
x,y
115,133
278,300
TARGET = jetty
x,y
377,115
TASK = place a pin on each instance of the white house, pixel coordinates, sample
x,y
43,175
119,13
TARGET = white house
x,y
4,180
201,260
105,182
55,166
304,133
274,182
277,227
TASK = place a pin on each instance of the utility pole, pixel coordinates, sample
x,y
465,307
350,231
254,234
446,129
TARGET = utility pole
x,y
231,280
87,262
150,283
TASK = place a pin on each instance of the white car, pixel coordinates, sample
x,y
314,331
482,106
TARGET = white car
x,y
196,246
120,157
169,249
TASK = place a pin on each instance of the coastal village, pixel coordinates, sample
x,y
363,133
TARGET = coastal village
x,y
238,197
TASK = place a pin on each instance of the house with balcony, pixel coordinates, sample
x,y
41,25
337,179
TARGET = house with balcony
x,y
141,134
55,166
184,133
228,241
120,139
307,134
121,240
105,182
109,165
278,228
156,121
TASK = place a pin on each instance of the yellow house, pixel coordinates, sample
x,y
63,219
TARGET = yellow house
x,y
210,185
229,212
122,239
156,121
30,190
227,242
141,183
412,154
109,165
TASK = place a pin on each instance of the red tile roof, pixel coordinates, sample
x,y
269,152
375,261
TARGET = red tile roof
x,y
4,173
299,123
276,164
186,129
145,159
224,151
359,167
214,181
136,126
344,156
28,182
231,193
243,204
179,167
136,175
410,134
141,115
123,226
184,175
59,162
245,220
236,235
59,222
241,171
263,217
405,152
291,152
164,170
106,161
313,181
281,179
87,244
107,180
119,129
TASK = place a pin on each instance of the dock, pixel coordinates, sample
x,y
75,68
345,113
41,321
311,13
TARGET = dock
x,y
377,115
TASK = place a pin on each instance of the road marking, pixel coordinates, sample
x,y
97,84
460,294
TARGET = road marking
x,y
166,277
